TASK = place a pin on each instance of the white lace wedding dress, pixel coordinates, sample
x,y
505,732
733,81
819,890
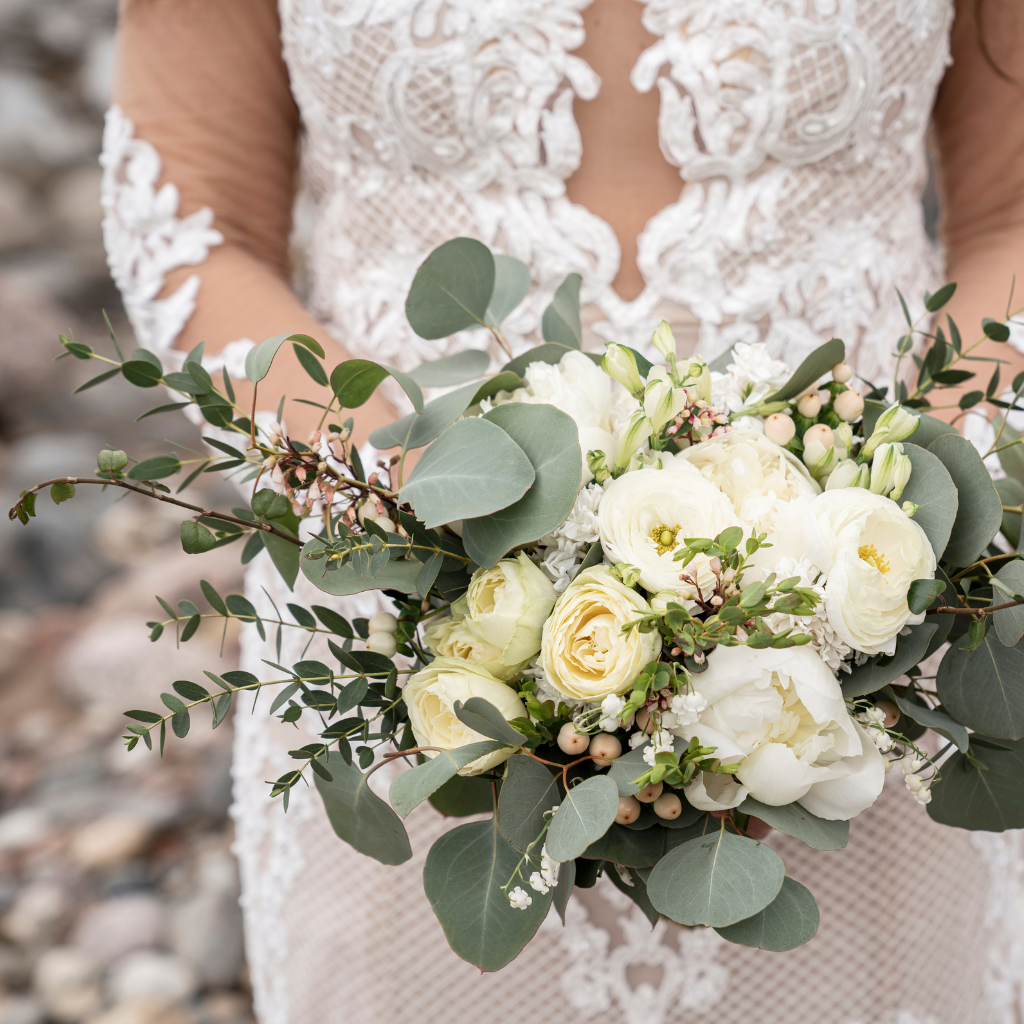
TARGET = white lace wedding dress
x,y
798,128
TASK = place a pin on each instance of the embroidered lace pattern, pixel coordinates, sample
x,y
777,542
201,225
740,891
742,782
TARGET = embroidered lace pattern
x,y
797,127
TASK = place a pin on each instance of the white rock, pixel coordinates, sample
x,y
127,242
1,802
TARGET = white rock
x,y
21,1010
149,975
33,126
23,827
110,840
66,981
117,926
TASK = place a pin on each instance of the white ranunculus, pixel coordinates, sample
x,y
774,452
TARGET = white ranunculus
x,y
645,515
870,551
506,607
781,715
584,653
600,408
758,476
430,697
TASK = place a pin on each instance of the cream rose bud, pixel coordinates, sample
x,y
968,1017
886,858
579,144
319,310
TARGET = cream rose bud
x,y
870,552
780,715
584,653
645,515
758,477
506,607
430,697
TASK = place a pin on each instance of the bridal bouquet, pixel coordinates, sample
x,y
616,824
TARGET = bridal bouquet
x,y
635,607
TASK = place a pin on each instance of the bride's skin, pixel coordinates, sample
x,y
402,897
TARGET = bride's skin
x,y
206,85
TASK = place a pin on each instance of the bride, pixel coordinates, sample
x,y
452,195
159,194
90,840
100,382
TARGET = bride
x,y
749,170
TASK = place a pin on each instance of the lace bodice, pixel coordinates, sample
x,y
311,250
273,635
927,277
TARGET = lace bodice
x,y
798,130
797,127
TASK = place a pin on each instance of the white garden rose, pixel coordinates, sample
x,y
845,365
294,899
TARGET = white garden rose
x,y
600,408
870,551
759,477
584,653
506,607
781,715
430,697
645,515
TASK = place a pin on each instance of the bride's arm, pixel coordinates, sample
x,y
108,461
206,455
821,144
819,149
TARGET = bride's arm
x,y
979,122
205,84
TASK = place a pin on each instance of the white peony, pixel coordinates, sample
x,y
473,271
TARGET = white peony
x,y
758,476
645,515
781,715
584,654
582,390
430,697
870,551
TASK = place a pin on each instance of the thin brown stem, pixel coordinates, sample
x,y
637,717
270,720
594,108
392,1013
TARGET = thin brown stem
x,y
208,513
974,611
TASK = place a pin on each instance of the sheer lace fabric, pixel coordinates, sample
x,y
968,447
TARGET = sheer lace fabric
x,y
797,126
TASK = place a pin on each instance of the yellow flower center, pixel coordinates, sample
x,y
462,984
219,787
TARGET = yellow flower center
x,y
870,554
665,537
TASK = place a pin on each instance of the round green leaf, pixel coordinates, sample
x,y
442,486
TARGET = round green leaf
x,y
884,669
462,878
551,442
451,289
989,798
980,512
155,469
528,791
933,489
196,538
473,469
795,821
354,380
1009,623
984,688
716,880
560,324
398,574
454,369
586,813
1011,494
790,920
141,373
818,363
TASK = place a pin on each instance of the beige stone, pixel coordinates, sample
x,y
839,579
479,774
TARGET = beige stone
x,y
107,841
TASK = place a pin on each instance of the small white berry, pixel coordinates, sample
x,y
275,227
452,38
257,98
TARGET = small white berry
x,y
779,428
629,810
383,622
382,643
650,792
842,372
570,741
848,406
809,406
605,748
668,806
385,524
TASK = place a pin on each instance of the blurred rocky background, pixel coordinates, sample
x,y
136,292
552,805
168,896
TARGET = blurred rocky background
x,y
118,892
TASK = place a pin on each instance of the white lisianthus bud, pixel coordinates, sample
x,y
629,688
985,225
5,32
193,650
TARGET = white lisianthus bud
x,y
890,470
895,424
697,378
909,508
664,341
629,574
844,437
620,364
662,402
841,373
779,428
637,431
809,406
848,406
848,474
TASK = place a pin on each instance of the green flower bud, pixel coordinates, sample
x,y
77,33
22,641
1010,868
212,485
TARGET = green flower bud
x,y
620,364
848,474
596,465
664,341
629,574
890,470
909,508
633,438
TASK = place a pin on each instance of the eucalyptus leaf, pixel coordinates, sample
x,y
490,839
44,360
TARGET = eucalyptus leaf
x,y
818,363
984,688
483,717
1011,494
560,323
398,574
414,785
566,884
790,920
931,719
285,556
716,880
1009,623
548,353
626,768
631,883
358,815
989,799
511,284
980,512
549,438
528,791
796,821
473,469
463,795
462,878
452,289
454,369
586,813
883,669
1011,457
258,360
928,427
354,380
932,488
